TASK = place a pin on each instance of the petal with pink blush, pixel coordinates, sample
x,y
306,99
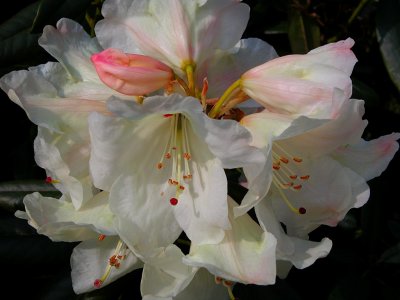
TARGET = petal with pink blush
x,y
303,84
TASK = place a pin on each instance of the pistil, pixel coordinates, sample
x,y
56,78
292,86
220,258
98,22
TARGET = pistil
x,y
284,176
177,150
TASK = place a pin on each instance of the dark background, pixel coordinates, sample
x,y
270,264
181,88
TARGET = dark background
x,y
364,261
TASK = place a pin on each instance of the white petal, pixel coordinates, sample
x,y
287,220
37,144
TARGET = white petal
x,y
299,252
347,128
369,158
247,254
72,47
145,219
202,210
203,287
89,261
61,222
227,66
330,192
165,275
65,157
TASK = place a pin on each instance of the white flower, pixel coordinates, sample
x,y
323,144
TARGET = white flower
x,y
58,96
176,32
314,180
163,163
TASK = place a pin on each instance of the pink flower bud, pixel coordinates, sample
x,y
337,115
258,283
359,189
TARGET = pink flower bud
x,y
131,74
303,84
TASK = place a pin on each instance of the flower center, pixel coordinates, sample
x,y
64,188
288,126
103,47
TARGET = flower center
x,y
285,177
177,151
114,260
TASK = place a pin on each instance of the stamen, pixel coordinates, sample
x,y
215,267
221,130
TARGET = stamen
x,y
189,69
51,180
218,280
173,201
284,160
286,200
204,91
297,159
102,237
113,261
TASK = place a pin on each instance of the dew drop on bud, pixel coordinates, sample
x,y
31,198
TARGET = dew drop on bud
x,y
173,201
302,210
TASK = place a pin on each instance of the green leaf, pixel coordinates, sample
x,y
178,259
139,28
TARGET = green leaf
x,y
303,32
391,255
50,11
388,33
19,47
20,22
364,92
13,192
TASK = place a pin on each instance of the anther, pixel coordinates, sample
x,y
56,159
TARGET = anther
x,y
276,166
297,187
293,177
101,237
159,166
167,155
51,180
297,159
167,115
187,156
181,187
218,280
284,159
305,177
114,261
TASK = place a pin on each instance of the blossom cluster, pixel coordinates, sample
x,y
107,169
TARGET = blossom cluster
x,y
137,125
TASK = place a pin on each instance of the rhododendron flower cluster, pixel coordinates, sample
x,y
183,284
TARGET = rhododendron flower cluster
x,y
137,125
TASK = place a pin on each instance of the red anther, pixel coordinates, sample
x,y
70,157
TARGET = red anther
x,y
49,179
302,210
174,182
288,184
218,280
174,148
181,187
297,187
284,159
98,283
305,177
227,283
173,201
276,166
293,176
297,159
160,166
168,115
170,181
102,237
187,156
113,260
167,155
